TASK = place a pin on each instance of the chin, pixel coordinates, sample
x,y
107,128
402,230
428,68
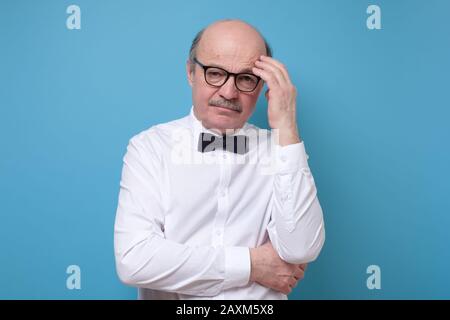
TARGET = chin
x,y
223,124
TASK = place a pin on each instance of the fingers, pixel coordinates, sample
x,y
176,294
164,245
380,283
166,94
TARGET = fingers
x,y
299,274
286,291
288,286
272,72
293,283
276,63
268,77
273,69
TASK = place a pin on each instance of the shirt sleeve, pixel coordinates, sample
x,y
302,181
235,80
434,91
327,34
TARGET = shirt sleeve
x,y
296,228
144,258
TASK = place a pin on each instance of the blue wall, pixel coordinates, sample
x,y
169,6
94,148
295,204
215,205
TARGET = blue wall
x,y
373,111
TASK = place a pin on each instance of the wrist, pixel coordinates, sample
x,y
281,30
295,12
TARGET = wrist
x,y
253,265
287,136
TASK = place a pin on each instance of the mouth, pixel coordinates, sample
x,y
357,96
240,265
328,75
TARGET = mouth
x,y
225,108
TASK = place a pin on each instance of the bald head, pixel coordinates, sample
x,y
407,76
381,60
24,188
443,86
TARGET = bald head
x,y
229,35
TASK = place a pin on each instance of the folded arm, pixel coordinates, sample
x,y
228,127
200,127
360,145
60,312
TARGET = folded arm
x,y
144,258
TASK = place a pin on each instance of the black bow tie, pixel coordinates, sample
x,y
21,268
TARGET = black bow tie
x,y
209,142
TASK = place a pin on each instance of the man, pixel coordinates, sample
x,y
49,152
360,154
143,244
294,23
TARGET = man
x,y
224,227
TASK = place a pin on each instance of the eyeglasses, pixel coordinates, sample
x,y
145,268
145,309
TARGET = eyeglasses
x,y
217,77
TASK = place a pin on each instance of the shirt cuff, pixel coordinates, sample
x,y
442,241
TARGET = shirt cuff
x,y
291,158
237,267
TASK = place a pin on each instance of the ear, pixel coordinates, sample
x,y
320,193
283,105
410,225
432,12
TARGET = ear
x,y
189,72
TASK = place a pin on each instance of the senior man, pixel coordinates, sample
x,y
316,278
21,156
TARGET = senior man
x,y
224,227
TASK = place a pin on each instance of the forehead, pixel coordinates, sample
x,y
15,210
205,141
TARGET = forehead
x,y
229,63
234,49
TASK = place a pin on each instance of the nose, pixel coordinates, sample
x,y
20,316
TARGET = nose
x,y
228,90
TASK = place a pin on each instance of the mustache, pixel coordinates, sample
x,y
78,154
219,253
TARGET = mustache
x,y
225,104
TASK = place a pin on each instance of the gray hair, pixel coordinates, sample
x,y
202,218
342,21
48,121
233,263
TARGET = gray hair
x,y
198,37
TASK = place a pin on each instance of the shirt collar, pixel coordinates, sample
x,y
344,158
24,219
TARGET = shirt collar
x,y
198,127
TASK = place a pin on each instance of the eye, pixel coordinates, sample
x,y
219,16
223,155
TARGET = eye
x,y
248,78
215,73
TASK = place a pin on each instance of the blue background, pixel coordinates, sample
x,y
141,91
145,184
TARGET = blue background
x,y
373,110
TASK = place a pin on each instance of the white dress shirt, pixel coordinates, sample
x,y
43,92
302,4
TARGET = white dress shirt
x,y
186,220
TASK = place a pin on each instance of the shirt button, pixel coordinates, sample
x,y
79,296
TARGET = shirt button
x,y
218,232
283,158
224,156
